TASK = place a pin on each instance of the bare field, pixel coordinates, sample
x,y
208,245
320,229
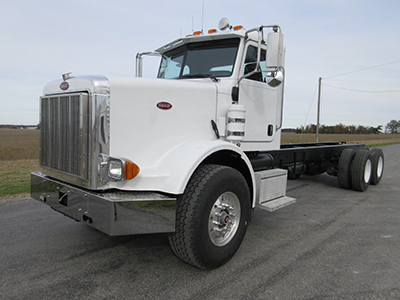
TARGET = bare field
x,y
18,144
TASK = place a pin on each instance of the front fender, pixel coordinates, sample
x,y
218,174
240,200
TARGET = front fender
x,y
173,170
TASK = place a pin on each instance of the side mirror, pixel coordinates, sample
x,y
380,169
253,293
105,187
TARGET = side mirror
x,y
274,78
275,50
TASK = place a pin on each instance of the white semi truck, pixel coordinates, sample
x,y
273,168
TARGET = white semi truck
x,y
190,153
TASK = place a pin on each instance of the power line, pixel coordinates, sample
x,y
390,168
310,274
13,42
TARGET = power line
x,y
312,101
360,70
353,90
361,91
308,113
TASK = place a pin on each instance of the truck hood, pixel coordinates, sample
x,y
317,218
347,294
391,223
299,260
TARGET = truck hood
x,y
150,117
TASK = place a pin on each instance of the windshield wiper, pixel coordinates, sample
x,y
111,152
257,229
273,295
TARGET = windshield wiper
x,y
198,75
201,75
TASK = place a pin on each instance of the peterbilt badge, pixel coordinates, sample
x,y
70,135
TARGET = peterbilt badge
x,y
64,85
164,105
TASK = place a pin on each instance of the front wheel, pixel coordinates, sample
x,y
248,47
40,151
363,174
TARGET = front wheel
x,y
212,217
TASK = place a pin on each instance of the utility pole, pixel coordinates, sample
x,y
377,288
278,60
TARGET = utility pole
x,y
319,108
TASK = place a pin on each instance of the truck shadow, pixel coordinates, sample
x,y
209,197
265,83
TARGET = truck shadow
x,y
305,180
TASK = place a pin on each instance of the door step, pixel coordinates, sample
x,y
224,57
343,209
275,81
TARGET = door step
x,y
271,189
276,204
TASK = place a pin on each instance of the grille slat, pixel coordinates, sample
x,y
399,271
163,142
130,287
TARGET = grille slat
x,y
64,133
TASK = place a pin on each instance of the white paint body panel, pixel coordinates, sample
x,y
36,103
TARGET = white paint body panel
x,y
167,145
262,104
143,132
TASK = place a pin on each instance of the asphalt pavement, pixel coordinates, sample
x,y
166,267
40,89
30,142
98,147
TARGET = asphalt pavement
x,y
332,244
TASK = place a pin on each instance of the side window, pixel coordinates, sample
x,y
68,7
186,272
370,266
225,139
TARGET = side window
x,y
250,63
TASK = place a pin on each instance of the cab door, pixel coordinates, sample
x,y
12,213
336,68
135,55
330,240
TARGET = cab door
x,y
262,101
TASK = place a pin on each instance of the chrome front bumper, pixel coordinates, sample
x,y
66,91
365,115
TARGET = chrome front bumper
x,y
114,213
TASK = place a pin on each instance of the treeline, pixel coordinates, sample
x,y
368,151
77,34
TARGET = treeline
x,y
393,127
6,126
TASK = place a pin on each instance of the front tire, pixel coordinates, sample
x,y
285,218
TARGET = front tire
x,y
212,217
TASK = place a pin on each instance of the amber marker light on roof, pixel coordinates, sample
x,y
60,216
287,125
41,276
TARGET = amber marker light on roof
x,y
211,31
197,33
238,27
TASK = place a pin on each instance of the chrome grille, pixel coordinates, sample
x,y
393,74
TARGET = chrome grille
x,y
64,133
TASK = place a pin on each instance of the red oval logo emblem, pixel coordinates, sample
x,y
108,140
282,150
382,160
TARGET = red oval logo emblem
x,y
164,105
64,85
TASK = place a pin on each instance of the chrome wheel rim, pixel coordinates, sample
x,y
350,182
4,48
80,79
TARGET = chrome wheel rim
x,y
367,170
224,219
379,167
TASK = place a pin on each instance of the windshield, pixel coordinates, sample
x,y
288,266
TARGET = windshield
x,y
200,60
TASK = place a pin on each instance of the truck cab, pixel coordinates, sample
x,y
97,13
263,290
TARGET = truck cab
x,y
235,63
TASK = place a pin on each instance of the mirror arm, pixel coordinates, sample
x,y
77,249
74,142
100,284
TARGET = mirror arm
x,y
139,61
260,31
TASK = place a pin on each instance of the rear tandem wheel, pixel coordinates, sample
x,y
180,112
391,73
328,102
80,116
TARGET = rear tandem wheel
x,y
377,160
344,168
358,169
361,170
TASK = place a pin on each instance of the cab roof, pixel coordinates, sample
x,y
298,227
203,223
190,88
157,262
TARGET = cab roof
x,y
201,38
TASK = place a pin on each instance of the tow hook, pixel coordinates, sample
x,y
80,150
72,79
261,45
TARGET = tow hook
x,y
87,219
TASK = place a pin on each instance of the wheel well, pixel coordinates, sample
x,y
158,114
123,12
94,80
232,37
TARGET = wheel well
x,y
233,160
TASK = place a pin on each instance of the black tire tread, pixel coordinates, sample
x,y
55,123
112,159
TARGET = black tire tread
x,y
375,154
357,170
181,241
344,168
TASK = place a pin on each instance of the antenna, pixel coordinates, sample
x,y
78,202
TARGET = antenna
x,y
202,18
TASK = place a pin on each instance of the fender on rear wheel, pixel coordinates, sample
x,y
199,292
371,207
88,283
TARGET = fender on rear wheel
x,y
212,217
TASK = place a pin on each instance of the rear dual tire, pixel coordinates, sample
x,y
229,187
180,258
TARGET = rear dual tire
x,y
378,163
361,170
344,168
358,169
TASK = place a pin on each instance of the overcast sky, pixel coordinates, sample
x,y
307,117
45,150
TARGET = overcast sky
x,y
40,40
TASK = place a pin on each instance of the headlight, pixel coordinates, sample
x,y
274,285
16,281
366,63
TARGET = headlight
x,y
122,169
115,169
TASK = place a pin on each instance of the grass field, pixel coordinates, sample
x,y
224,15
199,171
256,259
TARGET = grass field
x,y
19,153
19,156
